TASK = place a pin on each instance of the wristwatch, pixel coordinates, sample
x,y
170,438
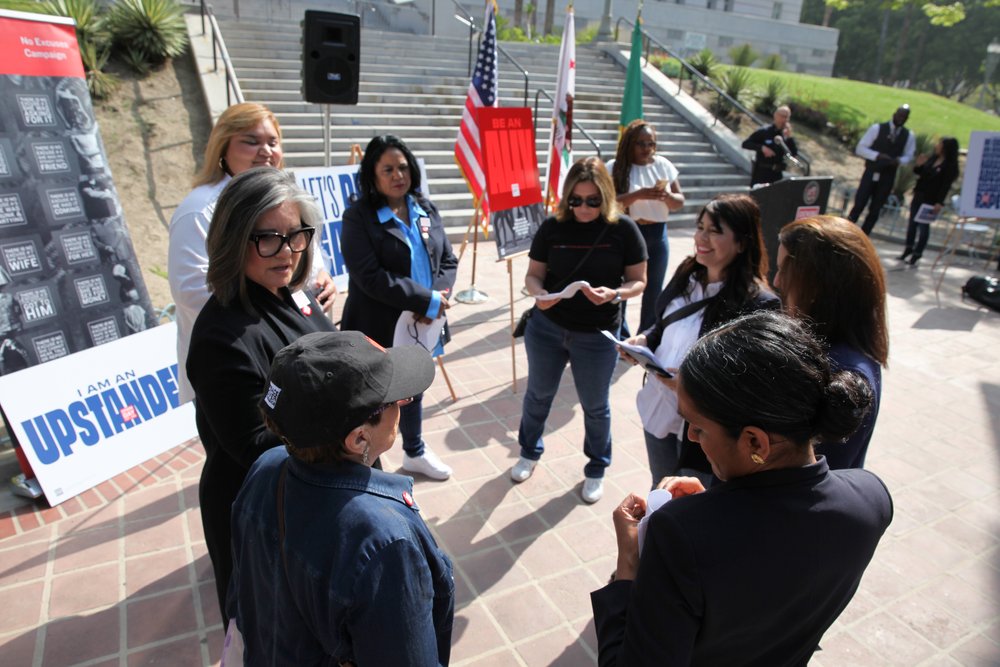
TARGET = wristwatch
x,y
618,297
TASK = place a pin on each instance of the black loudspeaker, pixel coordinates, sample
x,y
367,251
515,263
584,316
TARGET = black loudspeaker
x,y
331,57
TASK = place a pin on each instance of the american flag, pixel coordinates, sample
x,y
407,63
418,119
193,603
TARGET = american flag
x,y
482,93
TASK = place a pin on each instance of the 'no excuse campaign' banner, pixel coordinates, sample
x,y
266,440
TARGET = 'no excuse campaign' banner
x,y
84,398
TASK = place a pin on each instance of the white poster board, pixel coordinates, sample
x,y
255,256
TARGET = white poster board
x,y
334,189
87,417
980,196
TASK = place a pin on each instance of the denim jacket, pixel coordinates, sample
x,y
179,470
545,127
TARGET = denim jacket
x,y
362,580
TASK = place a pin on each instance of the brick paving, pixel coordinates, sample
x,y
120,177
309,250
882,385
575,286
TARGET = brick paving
x,y
120,575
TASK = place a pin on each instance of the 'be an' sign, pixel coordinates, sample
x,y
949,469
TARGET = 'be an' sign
x,y
507,137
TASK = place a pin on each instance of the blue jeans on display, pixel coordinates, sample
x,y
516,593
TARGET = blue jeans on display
x,y
411,426
663,454
592,358
655,236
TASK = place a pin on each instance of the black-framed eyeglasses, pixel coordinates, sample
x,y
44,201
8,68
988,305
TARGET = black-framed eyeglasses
x,y
270,244
648,143
385,406
592,202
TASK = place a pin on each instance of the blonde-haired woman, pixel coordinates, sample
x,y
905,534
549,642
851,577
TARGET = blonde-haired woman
x,y
588,239
246,135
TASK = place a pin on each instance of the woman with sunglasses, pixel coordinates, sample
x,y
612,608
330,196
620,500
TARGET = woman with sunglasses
x,y
399,261
587,240
648,190
259,254
752,571
726,277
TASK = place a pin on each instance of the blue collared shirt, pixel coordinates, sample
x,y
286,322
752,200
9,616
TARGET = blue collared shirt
x,y
365,580
420,262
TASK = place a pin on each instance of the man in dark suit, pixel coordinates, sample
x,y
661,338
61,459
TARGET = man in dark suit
x,y
884,147
771,144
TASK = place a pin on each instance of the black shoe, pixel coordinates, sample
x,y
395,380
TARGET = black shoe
x,y
906,253
913,260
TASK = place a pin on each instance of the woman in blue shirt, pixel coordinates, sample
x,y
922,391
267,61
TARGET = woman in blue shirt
x,y
398,259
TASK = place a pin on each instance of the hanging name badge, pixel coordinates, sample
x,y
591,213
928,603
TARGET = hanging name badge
x,y
425,227
302,301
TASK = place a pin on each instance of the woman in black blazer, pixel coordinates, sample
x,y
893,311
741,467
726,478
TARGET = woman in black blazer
x,y
398,259
935,174
754,570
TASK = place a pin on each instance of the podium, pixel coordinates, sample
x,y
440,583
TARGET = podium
x,y
785,201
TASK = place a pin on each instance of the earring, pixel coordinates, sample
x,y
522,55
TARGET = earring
x,y
364,454
757,459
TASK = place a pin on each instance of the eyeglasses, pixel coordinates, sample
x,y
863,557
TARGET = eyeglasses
x,y
646,144
385,406
270,244
592,202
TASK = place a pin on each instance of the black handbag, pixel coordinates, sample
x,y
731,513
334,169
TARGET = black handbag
x,y
522,324
983,290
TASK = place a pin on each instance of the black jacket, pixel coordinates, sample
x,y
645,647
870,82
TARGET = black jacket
x,y
751,572
378,263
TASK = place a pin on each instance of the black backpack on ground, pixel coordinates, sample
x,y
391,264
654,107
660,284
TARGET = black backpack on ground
x,y
983,290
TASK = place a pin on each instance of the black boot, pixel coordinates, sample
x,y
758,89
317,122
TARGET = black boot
x,y
906,253
913,260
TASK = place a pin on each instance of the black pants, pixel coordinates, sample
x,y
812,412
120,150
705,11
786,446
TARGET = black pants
x,y
917,230
877,191
765,173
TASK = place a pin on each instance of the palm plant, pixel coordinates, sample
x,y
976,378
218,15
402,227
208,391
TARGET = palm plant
x,y
153,27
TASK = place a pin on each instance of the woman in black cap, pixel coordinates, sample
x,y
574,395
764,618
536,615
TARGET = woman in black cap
x,y
304,593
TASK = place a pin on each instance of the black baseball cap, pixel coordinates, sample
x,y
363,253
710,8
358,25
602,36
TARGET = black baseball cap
x,y
324,385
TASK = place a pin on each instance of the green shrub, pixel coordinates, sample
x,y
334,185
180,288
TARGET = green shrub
x,y
706,64
773,61
743,55
154,27
811,113
770,97
735,82
588,34
90,21
100,83
136,60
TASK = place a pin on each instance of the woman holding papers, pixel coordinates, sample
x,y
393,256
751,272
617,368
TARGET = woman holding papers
x,y
754,570
584,262
830,275
726,277
247,135
401,271
935,174
259,254
648,190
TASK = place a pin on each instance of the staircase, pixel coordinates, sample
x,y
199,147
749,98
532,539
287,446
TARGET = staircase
x,y
414,86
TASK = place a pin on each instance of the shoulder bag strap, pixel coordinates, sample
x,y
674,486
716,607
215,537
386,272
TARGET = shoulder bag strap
x,y
684,311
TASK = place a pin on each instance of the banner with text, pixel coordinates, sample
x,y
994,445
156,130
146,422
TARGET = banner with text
x,y
507,137
69,278
87,417
980,196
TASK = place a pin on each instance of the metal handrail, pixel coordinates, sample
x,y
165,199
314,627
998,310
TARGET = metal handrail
x,y
541,91
219,49
806,164
473,29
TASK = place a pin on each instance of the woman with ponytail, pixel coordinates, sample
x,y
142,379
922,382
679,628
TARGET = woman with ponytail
x,y
754,570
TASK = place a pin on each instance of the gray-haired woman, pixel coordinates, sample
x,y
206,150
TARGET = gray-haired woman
x,y
259,256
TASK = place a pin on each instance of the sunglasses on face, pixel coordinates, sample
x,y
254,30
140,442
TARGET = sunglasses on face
x,y
591,202
270,244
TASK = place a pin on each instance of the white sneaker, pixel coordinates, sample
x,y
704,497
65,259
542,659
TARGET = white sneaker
x,y
427,464
593,489
522,469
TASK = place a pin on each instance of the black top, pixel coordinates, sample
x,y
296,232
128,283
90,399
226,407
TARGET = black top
x,y
884,143
561,246
228,364
765,137
377,256
751,572
934,181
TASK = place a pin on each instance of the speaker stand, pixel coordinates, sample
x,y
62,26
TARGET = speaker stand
x,y
326,135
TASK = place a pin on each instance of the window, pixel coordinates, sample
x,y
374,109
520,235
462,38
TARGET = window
x,y
725,42
728,7
710,4
776,11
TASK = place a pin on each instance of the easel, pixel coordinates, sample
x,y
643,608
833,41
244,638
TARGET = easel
x,y
988,227
355,157
513,323
472,295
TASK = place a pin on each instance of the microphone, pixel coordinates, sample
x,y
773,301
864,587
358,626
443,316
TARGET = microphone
x,y
780,141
